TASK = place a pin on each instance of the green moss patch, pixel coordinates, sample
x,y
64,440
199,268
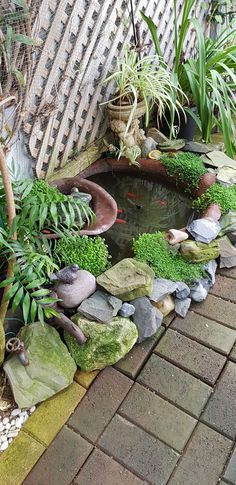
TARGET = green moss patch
x,y
225,197
154,250
187,168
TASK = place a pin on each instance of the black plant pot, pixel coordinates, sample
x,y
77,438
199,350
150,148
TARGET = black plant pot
x,y
187,125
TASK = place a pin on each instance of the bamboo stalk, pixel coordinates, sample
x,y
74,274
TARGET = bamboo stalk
x,y
11,213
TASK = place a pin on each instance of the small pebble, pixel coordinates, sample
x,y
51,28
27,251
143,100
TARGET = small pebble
x,y
13,434
10,440
18,423
32,409
7,426
4,438
5,421
4,446
1,427
13,422
15,412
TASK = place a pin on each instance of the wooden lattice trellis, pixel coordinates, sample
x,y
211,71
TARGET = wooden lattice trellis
x,y
80,40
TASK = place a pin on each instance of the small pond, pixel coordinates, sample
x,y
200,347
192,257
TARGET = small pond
x,y
144,205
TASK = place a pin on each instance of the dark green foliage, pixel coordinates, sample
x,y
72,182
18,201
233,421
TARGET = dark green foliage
x,y
154,250
225,197
187,168
89,253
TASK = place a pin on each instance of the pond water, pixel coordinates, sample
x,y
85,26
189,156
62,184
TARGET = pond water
x,y
144,205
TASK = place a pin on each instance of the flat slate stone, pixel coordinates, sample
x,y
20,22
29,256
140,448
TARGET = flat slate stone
x,y
230,472
134,360
174,384
101,469
225,288
191,356
62,460
158,417
145,455
100,403
204,458
220,410
218,310
207,332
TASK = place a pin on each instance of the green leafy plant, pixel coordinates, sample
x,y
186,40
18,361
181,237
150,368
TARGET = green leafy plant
x,y
225,197
154,250
212,81
146,79
89,253
186,167
33,265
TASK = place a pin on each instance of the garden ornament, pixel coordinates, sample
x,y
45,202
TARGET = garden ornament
x,y
175,236
134,136
73,285
64,322
15,345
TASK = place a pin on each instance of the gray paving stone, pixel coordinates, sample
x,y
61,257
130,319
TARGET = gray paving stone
x,y
158,417
205,331
145,455
176,385
61,461
225,288
134,360
191,356
101,469
204,458
233,354
230,472
229,272
220,410
217,309
100,403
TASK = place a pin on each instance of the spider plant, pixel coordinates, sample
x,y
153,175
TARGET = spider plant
x,y
146,79
212,80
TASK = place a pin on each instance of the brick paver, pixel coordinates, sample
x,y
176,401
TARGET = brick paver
x,y
229,272
62,460
233,354
134,360
101,469
143,454
158,417
176,385
217,309
100,403
205,331
191,356
230,472
220,410
225,288
204,458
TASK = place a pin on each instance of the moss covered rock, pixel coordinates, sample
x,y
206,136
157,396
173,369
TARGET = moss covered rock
x,y
50,369
198,252
128,279
106,344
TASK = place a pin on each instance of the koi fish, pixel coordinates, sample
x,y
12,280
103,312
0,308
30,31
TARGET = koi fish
x,y
120,221
133,196
160,202
119,211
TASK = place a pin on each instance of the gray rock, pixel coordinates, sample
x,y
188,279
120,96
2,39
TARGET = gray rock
x,y
211,268
162,288
73,285
182,306
217,158
196,147
226,176
100,306
227,253
127,310
182,291
147,146
228,225
200,290
204,230
157,136
146,317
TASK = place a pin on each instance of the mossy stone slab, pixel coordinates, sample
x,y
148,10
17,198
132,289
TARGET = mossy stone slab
x,y
128,279
17,461
52,414
85,379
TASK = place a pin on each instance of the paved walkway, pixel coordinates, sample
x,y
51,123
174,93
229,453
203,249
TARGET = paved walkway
x,y
166,414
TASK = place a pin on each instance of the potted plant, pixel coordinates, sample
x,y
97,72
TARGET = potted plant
x,y
140,83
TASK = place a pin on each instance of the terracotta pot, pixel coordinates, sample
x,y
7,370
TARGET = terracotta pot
x,y
213,211
104,205
206,181
122,112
